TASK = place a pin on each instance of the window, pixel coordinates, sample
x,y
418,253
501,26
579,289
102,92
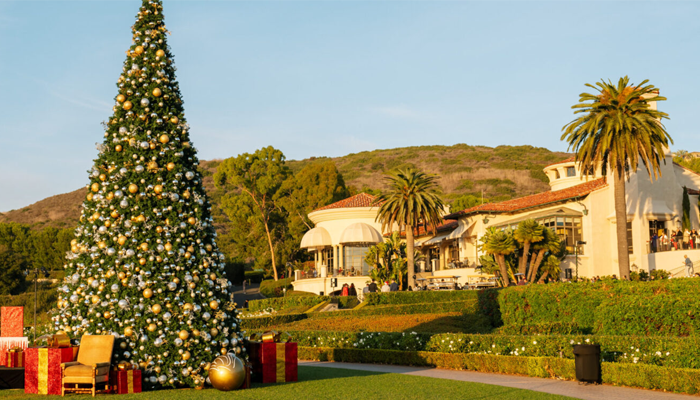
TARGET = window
x,y
433,254
454,251
570,171
568,228
630,244
327,258
556,174
355,264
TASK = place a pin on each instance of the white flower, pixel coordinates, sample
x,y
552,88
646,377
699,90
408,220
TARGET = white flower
x,y
523,349
588,340
534,342
572,341
667,353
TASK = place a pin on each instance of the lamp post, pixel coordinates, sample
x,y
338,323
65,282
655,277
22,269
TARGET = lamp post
x,y
36,294
578,243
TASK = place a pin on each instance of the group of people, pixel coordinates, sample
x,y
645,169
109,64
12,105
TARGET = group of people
x,y
348,290
678,239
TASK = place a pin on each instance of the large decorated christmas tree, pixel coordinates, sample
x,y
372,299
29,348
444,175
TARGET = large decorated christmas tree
x,y
144,265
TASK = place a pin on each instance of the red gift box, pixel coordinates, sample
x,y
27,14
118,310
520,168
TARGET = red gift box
x,y
15,358
7,343
274,362
11,321
42,370
124,382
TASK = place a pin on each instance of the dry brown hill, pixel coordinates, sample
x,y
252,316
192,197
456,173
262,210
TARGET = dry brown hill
x,y
501,173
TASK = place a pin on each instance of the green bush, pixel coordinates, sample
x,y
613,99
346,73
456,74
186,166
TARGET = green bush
x,y
270,320
272,288
254,276
467,307
280,304
664,314
47,300
556,328
427,296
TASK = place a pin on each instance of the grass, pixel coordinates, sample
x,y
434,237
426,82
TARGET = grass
x,y
326,383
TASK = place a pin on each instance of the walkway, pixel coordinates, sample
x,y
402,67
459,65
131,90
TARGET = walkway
x,y
553,386
252,292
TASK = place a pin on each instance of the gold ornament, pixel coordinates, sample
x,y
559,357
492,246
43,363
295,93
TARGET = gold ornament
x,y
160,53
164,139
133,188
186,355
184,334
176,280
103,177
152,327
159,259
188,254
192,285
214,304
157,92
227,372
95,187
159,229
101,245
174,120
128,331
147,293
121,98
108,223
187,306
121,275
158,189
138,50
152,146
142,261
121,240
118,148
110,196
195,332
152,166
144,246
114,214
186,194
89,196
214,331
170,166
127,105
107,315
125,282
192,221
95,299
168,246
156,308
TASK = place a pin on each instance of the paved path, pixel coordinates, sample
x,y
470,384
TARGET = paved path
x,y
553,386
252,292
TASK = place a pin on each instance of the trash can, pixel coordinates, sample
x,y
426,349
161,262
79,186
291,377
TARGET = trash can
x,y
587,357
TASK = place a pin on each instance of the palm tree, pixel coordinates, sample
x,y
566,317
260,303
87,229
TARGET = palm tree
x,y
411,200
616,130
499,244
550,243
527,233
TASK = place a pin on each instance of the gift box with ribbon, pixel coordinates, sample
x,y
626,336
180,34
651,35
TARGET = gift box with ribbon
x,y
15,358
125,381
273,361
58,341
42,370
7,343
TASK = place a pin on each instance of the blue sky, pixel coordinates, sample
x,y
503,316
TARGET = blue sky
x,y
328,78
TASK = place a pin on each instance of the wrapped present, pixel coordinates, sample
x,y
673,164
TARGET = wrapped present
x,y
273,362
125,381
11,321
42,369
7,343
15,358
58,341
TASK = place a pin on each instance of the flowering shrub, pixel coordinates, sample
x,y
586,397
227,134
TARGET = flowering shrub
x,y
260,313
469,307
282,303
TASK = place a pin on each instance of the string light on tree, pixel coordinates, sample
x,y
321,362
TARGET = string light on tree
x,y
144,265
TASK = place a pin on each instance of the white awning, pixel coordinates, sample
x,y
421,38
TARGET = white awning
x,y
457,233
360,233
315,238
435,240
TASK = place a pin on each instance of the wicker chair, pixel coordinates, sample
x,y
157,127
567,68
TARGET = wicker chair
x,y
92,366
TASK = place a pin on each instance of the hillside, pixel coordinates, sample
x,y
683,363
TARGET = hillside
x,y
502,173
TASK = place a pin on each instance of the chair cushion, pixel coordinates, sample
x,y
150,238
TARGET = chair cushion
x,y
95,349
84,371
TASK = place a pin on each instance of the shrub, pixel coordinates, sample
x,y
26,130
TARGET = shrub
x,y
280,304
558,328
270,320
405,309
254,276
427,296
664,314
272,288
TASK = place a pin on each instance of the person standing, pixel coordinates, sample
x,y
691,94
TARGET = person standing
x,y
372,287
394,286
686,239
345,290
385,287
352,291
689,266
654,242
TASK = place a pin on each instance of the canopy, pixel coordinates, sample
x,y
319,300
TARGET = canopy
x,y
360,233
315,238
435,240
457,233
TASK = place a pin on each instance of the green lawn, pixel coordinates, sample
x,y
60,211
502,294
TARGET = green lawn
x,y
325,383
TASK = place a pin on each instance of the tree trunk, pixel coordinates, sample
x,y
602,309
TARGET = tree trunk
x,y
534,266
501,260
409,256
272,250
522,266
623,257
544,277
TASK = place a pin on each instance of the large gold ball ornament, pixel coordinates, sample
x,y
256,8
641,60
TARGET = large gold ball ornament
x,y
108,223
138,50
213,304
127,105
192,220
158,189
114,214
168,246
152,146
174,120
183,334
159,229
144,246
95,187
164,139
118,148
142,261
152,327
227,372
186,355
187,306
128,331
89,196
147,293
170,166
141,218
133,188
95,299
110,196
103,177
101,245
157,92
107,315
121,240
121,98
156,308
196,332
121,275
160,53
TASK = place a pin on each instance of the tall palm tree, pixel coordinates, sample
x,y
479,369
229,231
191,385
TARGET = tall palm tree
x,y
616,130
499,244
411,200
527,233
550,243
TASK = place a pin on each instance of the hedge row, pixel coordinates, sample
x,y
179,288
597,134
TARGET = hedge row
x,y
660,351
428,296
634,375
269,320
273,288
469,306
665,307
282,303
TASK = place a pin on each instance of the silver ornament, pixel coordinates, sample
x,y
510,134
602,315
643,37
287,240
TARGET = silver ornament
x,y
139,168
172,286
167,316
145,102
115,288
144,145
158,342
123,304
118,194
111,251
124,204
189,175
178,342
123,130
74,298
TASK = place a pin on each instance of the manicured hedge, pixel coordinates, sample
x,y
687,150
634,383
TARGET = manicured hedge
x,y
282,303
554,328
268,320
405,309
634,375
273,288
646,308
428,296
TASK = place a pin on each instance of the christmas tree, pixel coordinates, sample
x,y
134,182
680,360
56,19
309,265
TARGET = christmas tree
x,y
144,265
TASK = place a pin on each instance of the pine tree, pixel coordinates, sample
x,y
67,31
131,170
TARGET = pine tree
x,y
144,265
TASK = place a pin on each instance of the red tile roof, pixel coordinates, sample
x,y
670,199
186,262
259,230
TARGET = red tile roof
x,y
534,200
358,200
422,231
570,159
